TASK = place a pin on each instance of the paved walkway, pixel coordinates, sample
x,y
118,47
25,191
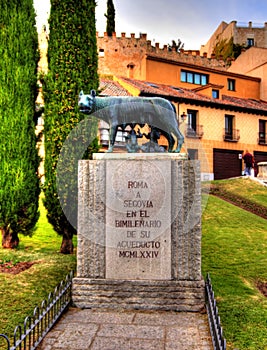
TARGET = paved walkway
x,y
126,330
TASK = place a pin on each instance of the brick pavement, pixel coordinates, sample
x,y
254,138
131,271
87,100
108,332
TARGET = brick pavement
x,y
96,329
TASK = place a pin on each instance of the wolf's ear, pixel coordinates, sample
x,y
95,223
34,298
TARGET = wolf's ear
x,y
81,93
93,93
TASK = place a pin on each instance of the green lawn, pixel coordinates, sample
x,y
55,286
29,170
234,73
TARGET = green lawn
x,y
234,252
251,190
19,294
246,187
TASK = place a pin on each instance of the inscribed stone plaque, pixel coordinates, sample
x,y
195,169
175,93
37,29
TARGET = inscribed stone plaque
x,y
138,219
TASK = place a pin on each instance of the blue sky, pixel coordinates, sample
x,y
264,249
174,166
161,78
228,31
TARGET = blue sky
x,y
191,21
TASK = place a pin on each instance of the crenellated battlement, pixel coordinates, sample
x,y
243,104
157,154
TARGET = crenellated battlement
x,y
125,55
131,47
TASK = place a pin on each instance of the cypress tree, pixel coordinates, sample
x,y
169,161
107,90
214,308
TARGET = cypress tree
x,y
72,66
19,183
110,15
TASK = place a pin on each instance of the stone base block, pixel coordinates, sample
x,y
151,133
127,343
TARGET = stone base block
x,y
138,294
262,168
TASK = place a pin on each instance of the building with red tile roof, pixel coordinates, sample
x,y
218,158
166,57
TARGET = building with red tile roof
x,y
221,108
217,131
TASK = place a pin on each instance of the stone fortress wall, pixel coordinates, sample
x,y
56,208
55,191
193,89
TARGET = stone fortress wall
x,y
240,32
131,53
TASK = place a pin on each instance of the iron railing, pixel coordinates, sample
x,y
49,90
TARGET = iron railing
x,y
35,327
216,331
194,133
262,139
231,135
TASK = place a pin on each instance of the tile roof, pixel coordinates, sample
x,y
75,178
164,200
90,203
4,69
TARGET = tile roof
x,y
209,85
192,97
246,102
112,88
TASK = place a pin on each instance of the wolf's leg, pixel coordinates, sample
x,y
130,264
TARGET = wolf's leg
x,y
112,136
169,138
180,144
180,139
171,142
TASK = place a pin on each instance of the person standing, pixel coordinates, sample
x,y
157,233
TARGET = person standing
x,y
248,159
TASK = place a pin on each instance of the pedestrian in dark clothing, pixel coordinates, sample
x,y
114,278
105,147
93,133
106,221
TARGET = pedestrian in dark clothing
x,y
248,159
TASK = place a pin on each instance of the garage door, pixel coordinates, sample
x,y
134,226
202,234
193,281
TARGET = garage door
x,y
260,156
226,163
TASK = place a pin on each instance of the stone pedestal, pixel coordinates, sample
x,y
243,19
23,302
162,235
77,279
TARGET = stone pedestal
x,y
139,233
262,170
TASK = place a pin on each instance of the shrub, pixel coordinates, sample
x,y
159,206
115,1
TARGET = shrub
x,y
72,65
19,183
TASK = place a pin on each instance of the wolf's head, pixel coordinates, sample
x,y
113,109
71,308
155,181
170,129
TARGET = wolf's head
x,y
86,102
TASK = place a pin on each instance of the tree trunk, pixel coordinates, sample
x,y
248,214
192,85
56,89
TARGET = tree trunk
x,y
66,245
10,239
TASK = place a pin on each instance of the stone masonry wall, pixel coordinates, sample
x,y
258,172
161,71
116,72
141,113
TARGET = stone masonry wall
x,y
240,34
124,56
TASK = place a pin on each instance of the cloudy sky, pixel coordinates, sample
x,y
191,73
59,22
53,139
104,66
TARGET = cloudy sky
x,y
191,21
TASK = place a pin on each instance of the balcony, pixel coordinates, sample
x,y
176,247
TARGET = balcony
x,y
231,135
262,140
194,133
104,137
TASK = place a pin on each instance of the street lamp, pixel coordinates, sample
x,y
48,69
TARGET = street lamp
x,y
183,117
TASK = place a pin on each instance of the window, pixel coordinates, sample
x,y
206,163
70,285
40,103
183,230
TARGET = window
x,y
231,84
130,65
101,52
183,76
192,153
262,132
215,93
197,79
193,129
177,89
250,42
153,85
194,78
228,127
191,123
192,120
190,78
204,79
230,134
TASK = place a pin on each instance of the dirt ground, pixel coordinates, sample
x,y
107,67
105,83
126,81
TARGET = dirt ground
x,y
14,269
262,287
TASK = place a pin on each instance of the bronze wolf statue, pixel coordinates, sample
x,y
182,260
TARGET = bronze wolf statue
x,y
119,111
